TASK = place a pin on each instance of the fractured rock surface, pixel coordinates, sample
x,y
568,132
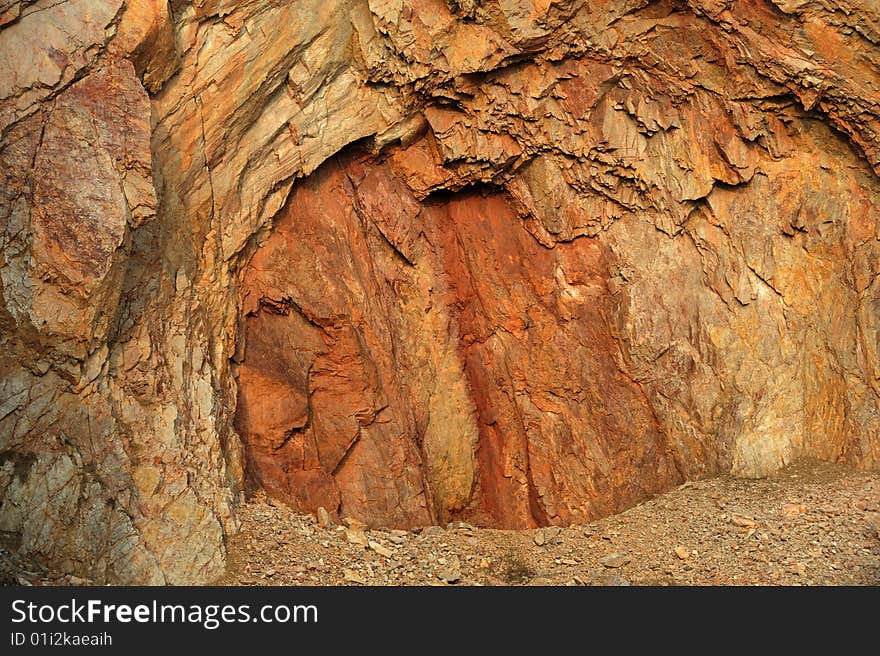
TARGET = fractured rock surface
x,y
519,263
470,373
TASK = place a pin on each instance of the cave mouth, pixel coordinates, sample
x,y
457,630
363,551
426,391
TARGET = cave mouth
x,y
412,362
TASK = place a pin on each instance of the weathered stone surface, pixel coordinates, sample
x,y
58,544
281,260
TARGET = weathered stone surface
x,y
111,428
438,383
579,253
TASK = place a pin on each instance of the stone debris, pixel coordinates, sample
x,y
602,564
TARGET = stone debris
x,y
427,268
357,537
742,521
354,524
324,520
654,543
379,549
794,509
547,536
451,573
353,577
616,559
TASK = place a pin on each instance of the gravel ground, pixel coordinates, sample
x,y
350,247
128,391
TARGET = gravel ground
x,y
812,524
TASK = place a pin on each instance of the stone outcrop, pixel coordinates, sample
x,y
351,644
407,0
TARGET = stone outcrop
x,y
437,361
516,262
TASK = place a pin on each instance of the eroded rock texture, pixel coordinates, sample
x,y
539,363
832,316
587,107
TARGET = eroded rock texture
x,y
437,361
514,262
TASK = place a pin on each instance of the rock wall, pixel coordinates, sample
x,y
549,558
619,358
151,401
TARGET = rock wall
x,y
436,361
518,262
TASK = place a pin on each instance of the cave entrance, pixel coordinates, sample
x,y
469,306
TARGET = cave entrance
x,y
409,362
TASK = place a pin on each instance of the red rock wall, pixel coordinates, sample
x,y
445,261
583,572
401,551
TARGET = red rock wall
x,y
572,253
410,362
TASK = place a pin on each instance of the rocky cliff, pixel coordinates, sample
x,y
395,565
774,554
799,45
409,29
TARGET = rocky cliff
x,y
519,262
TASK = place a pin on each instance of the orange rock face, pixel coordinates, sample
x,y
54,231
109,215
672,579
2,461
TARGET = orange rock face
x,y
520,263
413,362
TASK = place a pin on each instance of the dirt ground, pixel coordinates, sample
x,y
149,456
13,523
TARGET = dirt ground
x,y
812,524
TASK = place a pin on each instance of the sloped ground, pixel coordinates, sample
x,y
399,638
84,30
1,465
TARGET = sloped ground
x,y
813,524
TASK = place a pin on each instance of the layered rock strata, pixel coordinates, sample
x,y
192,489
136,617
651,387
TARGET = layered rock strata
x,y
516,262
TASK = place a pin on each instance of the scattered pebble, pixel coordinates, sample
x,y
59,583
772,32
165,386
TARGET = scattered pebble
x,y
794,509
742,521
353,577
324,520
821,527
817,528
616,559
379,549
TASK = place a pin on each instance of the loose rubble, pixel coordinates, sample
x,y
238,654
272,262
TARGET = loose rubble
x,y
809,525
813,524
